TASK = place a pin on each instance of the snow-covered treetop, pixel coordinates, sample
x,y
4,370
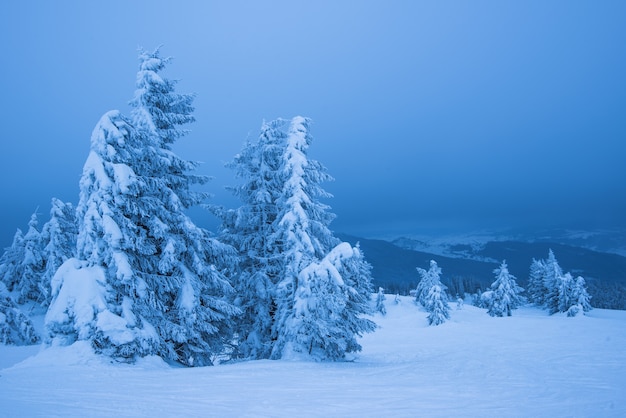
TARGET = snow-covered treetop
x,y
156,107
150,61
554,270
503,270
34,221
430,276
110,135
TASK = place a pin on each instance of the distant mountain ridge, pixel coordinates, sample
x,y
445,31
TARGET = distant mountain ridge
x,y
609,240
394,267
577,260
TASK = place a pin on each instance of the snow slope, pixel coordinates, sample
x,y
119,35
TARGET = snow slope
x,y
530,364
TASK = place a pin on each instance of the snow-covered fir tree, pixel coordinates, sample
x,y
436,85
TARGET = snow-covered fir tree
x,y
553,282
20,271
436,303
302,232
30,287
23,264
431,294
324,325
11,261
573,296
186,269
59,236
302,219
15,326
537,290
105,254
380,301
481,299
579,297
157,278
356,274
564,285
249,229
301,293
505,293
428,278
561,291
158,111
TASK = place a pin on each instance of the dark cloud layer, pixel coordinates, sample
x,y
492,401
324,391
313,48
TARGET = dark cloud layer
x,y
431,116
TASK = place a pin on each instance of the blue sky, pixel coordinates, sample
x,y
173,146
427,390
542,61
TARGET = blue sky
x,y
431,116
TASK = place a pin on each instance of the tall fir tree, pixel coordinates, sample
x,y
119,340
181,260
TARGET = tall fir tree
x,y
106,245
165,286
505,293
299,292
249,229
301,228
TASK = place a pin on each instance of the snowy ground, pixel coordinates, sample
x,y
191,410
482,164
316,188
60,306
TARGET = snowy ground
x,y
529,365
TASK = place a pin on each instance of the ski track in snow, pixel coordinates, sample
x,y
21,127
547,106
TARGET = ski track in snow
x,y
528,365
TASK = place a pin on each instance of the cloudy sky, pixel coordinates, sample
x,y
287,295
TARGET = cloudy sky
x,y
432,116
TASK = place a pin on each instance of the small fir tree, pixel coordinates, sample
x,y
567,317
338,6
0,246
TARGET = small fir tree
x,y
23,264
505,293
579,297
428,278
436,303
34,264
564,285
553,282
356,274
537,290
380,302
15,327
11,262
431,294
561,291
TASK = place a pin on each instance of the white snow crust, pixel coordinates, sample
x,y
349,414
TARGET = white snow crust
x,y
528,365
